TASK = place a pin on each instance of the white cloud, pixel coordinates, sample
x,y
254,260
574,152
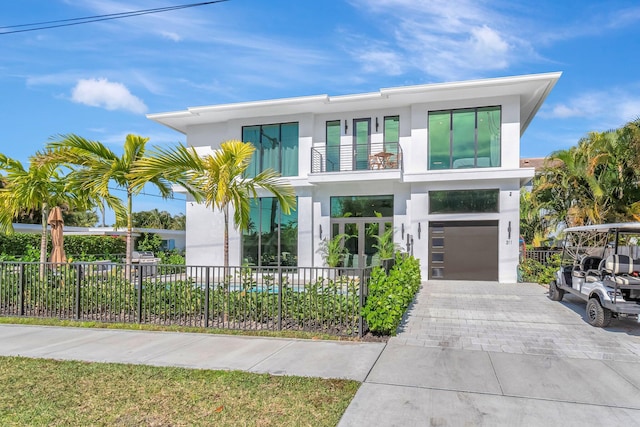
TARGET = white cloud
x,y
105,94
171,36
604,109
446,40
382,62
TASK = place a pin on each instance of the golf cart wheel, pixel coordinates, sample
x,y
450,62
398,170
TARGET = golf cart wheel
x,y
555,293
597,315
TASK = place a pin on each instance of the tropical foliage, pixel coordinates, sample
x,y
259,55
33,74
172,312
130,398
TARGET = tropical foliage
x,y
36,189
95,168
390,295
594,182
220,179
159,219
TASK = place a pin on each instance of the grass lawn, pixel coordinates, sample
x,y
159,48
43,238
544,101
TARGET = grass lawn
x,y
56,393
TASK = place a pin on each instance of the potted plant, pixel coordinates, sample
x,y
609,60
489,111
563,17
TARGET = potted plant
x,y
333,250
386,249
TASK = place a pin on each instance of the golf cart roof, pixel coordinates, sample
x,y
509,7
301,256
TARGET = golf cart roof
x,y
604,228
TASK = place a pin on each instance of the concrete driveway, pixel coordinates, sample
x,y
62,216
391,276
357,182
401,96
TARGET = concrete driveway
x,y
480,353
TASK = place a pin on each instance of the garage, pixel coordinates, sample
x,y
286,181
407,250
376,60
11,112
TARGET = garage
x,y
463,250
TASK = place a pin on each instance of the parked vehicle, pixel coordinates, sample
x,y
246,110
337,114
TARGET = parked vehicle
x,y
601,265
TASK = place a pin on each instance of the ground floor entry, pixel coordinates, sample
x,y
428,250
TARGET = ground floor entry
x,y
463,250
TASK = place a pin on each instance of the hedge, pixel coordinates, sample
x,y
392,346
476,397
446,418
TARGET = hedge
x,y
390,295
24,246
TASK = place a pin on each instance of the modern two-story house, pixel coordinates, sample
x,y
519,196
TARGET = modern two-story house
x,y
438,164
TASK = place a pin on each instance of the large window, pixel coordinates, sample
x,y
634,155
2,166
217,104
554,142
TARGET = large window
x,y
468,138
276,148
272,236
463,201
361,206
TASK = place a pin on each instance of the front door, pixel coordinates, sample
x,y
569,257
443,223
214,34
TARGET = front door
x,y
361,240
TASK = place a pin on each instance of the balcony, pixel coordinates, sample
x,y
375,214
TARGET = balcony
x,y
378,156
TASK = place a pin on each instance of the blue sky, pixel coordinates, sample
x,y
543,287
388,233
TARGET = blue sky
x,y
99,80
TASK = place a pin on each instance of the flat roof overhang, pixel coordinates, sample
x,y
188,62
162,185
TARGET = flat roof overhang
x,y
532,90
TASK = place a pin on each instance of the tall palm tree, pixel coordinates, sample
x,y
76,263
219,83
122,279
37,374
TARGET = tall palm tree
x,y
36,188
220,180
95,168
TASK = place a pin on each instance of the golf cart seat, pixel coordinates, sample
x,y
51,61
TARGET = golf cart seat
x,y
621,268
591,266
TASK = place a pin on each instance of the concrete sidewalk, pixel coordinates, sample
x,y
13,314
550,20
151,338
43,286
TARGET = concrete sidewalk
x,y
325,359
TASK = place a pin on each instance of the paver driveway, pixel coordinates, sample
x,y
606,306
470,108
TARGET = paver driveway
x,y
489,354
512,318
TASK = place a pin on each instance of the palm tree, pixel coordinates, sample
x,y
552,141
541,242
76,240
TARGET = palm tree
x,y
36,189
595,181
95,168
219,179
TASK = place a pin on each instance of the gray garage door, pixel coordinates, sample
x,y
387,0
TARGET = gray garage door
x,y
463,250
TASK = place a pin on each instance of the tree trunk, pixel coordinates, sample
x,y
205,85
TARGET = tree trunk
x,y
43,242
226,278
129,234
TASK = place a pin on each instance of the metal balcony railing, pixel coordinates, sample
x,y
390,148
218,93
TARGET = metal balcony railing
x,y
348,158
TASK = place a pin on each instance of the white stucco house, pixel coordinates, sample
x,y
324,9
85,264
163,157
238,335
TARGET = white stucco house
x,y
437,163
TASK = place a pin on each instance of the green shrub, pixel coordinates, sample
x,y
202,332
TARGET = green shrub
x,y
390,295
537,272
26,247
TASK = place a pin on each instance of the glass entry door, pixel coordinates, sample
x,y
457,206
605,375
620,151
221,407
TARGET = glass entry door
x,y
361,239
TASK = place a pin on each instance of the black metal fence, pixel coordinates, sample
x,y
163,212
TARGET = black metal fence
x,y
543,256
325,300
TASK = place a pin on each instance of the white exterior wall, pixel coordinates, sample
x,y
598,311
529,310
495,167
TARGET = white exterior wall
x,y
205,226
519,98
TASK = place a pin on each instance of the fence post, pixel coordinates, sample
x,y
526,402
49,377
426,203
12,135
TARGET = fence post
x,y
78,280
279,298
206,298
21,294
361,289
139,292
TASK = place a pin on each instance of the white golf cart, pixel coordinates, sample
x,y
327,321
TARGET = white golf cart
x,y
601,265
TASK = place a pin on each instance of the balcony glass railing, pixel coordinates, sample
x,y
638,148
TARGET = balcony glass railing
x,y
348,158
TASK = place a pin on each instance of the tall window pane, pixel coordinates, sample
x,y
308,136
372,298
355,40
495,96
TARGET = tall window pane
x,y
269,231
270,147
489,136
250,236
391,134
439,140
289,141
464,139
361,143
252,134
333,146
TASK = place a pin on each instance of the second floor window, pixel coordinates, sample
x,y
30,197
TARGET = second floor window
x,y
468,138
276,148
